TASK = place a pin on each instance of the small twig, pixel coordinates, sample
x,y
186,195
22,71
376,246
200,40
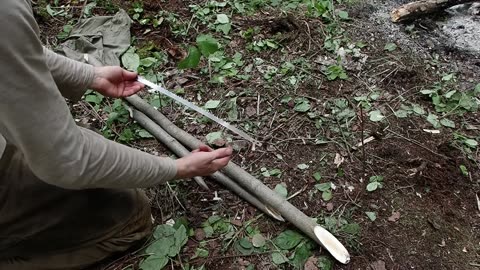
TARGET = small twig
x,y
83,9
241,230
175,196
400,188
258,105
362,128
418,144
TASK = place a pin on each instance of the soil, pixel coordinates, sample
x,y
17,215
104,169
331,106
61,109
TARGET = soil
x,y
427,213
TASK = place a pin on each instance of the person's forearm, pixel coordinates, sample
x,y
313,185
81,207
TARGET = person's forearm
x,y
36,119
71,77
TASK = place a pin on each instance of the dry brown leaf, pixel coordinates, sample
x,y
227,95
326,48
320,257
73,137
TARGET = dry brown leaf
x,y
329,206
378,265
199,234
311,264
394,217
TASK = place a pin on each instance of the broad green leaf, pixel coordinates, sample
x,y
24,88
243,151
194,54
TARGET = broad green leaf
x,y
144,134
317,176
131,61
224,28
208,231
302,253
324,186
154,263
373,186
418,109
181,238
371,215
279,258
401,114
302,106
148,62
477,89
450,93
212,137
433,119
281,190
245,243
448,77
376,178
447,123
390,47
192,60
288,239
161,247
212,104
324,263
376,116
302,166
244,246
207,44
428,92
471,143
258,240
222,18
163,231
343,14
351,228
327,195
200,253
93,99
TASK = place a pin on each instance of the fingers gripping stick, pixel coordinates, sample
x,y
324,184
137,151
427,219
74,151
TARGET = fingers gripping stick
x,y
157,88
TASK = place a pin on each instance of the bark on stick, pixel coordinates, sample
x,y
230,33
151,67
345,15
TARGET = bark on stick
x,y
252,185
420,8
181,151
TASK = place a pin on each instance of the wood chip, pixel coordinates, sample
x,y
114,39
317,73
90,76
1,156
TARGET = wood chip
x,y
338,160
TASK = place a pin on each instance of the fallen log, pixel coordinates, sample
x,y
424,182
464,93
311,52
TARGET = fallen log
x,y
253,186
180,150
420,8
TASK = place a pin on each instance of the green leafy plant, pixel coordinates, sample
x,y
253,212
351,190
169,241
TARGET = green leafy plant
x,y
448,100
375,182
326,189
334,72
206,45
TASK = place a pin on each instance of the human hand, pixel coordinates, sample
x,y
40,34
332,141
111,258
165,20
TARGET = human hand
x,y
203,162
115,82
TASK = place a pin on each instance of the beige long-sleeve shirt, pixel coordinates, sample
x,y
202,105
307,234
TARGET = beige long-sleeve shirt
x,y
35,118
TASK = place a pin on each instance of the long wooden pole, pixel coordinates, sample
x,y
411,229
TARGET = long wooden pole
x,y
420,8
252,185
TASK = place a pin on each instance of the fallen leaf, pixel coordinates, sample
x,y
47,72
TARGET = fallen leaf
x,y
199,234
311,264
378,265
338,160
236,222
394,217
329,206
250,111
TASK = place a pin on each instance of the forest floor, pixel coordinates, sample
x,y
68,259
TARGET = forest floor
x,y
308,79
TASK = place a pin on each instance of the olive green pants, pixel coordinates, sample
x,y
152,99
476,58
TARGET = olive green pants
x,y
44,227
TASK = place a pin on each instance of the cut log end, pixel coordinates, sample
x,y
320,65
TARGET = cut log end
x,y
330,243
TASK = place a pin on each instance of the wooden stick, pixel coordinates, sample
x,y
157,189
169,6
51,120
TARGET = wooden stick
x,y
423,7
181,151
252,185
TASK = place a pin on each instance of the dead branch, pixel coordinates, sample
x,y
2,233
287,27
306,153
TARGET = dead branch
x,y
423,7
181,151
253,186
